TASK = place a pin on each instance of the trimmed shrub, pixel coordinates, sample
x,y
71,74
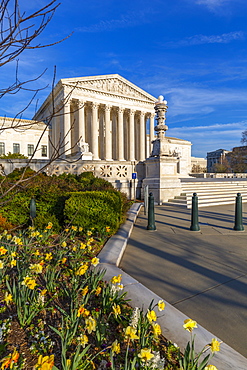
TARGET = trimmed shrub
x,y
94,209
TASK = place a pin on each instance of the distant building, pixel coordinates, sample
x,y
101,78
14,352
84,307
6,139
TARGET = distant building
x,y
25,137
215,157
198,165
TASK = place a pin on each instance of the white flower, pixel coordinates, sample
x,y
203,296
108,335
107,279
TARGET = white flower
x,y
135,317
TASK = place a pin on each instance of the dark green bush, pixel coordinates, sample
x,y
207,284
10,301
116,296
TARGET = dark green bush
x,y
50,194
94,209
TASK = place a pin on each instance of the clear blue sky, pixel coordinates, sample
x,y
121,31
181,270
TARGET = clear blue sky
x,y
194,52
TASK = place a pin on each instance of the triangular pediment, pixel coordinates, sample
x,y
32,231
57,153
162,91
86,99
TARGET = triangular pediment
x,y
110,84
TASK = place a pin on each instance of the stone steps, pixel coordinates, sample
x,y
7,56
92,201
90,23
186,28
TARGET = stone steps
x,y
211,193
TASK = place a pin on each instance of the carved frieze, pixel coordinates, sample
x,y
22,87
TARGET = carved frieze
x,y
113,86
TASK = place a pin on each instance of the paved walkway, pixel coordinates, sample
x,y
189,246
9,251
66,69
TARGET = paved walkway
x,y
203,274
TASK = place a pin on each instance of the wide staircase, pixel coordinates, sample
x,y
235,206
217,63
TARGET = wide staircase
x,y
211,192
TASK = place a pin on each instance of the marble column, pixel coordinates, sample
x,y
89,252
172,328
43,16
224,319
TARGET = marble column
x,y
142,134
120,135
108,134
95,131
81,121
132,135
151,132
66,128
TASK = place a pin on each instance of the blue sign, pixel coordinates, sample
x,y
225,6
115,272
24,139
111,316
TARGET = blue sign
x,y
133,175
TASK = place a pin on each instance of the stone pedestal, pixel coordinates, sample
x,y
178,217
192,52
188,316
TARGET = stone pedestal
x,y
162,178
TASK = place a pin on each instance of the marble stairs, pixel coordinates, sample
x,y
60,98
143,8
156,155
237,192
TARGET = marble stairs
x,y
210,193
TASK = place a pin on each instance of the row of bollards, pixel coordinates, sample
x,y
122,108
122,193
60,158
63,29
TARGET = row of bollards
x,y
238,226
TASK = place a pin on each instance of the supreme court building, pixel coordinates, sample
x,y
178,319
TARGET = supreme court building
x,y
107,113
103,124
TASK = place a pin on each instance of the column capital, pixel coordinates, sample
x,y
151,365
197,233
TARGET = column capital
x,y
142,113
80,104
120,109
94,105
108,107
132,112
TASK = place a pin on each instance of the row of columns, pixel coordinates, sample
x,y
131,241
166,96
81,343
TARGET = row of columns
x,y
91,120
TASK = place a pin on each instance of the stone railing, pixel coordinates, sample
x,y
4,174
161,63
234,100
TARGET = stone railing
x,y
220,175
119,174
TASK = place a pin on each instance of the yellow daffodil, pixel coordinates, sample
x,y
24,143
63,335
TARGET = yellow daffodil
x,y
37,253
89,233
80,229
82,246
115,347
156,329
161,305
43,292
29,282
90,241
83,311
13,263
116,279
36,267
45,362
64,244
151,316
49,226
74,228
48,256
63,260
210,367
130,333
83,340
10,360
95,261
116,309
1,265
107,229
84,291
82,269
215,345
8,298
3,250
189,325
9,236
98,290
13,254
90,324
74,249
146,354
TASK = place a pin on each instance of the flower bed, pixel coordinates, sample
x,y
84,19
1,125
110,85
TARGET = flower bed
x,y
58,313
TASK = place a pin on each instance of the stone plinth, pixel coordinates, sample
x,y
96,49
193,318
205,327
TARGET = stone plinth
x,y
162,178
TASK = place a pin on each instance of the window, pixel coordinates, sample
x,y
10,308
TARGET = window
x,y
30,149
44,150
16,148
2,148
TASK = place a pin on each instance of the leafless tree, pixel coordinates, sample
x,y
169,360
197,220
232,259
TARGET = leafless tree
x,y
19,31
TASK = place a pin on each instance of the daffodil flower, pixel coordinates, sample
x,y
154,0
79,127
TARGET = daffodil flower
x,y
146,354
189,325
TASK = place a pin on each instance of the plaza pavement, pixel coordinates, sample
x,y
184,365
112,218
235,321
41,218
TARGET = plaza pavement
x,y
202,274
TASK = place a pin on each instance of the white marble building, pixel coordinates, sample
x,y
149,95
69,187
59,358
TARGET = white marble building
x,y
25,137
107,113
107,123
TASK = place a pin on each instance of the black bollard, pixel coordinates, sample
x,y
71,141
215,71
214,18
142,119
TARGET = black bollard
x,y
194,214
151,221
32,209
238,214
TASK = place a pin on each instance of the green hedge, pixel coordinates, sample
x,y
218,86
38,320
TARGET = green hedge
x,y
94,209
50,194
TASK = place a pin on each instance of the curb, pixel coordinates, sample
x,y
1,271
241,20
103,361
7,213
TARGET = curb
x,y
172,319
